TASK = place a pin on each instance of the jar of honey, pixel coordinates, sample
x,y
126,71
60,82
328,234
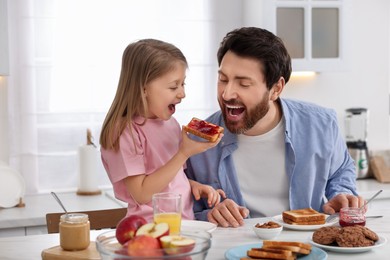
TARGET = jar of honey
x,y
74,231
352,216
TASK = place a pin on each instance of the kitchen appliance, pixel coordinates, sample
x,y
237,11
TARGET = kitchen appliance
x,y
356,124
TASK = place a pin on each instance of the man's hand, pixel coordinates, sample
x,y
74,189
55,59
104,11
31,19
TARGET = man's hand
x,y
341,201
228,214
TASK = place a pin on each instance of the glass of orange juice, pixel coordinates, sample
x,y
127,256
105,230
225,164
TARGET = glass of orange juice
x,y
167,208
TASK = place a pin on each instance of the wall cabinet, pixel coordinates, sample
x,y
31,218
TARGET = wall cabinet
x,y
23,231
12,232
313,31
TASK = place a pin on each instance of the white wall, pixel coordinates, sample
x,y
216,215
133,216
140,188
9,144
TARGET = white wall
x,y
365,82
4,70
4,156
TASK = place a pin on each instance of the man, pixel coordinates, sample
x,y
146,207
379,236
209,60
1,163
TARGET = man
x,y
276,154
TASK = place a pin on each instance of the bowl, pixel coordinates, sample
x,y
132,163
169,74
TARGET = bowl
x,y
109,248
265,232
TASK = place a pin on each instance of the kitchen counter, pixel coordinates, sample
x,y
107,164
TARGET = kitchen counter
x,y
31,219
368,187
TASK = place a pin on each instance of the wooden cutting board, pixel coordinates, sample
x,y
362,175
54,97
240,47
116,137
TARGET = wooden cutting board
x,y
57,253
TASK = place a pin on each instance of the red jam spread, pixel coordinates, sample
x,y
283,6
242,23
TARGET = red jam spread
x,y
346,224
204,127
352,216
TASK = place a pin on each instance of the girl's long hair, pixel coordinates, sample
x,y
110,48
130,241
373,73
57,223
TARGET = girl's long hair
x,y
142,62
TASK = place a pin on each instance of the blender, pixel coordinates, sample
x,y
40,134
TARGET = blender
x,y
356,123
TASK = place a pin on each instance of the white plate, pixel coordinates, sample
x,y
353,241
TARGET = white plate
x,y
279,220
381,241
236,253
194,225
12,187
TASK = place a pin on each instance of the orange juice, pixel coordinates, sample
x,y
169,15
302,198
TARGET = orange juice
x,y
172,219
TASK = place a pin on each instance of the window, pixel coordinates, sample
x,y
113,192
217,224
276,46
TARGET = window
x,y
65,63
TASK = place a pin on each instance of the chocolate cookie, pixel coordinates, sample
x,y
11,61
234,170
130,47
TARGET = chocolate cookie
x,y
353,237
368,233
326,235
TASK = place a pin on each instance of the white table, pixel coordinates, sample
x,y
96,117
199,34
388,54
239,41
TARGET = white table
x,y
225,238
30,220
30,247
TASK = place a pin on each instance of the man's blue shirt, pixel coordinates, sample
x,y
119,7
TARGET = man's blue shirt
x,y
318,164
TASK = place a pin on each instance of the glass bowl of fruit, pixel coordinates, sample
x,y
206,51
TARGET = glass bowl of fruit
x,y
189,245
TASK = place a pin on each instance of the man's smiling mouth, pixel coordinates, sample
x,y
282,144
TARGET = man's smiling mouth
x,y
235,110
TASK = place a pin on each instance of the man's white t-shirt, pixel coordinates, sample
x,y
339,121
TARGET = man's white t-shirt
x,y
260,166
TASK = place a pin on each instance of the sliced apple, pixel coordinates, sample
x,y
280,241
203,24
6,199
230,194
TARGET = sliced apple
x,y
176,244
144,245
153,230
127,228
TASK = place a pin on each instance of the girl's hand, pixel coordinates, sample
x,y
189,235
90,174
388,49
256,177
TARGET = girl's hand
x,y
189,147
205,191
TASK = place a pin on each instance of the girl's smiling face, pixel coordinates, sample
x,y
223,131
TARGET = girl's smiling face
x,y
165,92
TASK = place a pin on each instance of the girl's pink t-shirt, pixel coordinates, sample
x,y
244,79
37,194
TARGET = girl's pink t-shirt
x,y
156,142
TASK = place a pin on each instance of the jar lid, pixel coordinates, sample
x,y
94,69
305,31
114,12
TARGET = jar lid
x,y
74,218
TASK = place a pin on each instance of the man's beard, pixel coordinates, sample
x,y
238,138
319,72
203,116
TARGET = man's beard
x,y
251,117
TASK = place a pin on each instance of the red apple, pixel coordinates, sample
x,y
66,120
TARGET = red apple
x,y
127,227
153,230
177,244
144,245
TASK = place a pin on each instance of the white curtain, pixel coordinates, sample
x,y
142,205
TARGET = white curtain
x,y
65,58
22,108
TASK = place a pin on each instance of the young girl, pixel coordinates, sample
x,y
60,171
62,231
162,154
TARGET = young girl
x,y
143,147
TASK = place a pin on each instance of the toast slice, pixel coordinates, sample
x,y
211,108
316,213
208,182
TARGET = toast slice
x,y
316,222
295,247
274,249
270,253
203,129
306,216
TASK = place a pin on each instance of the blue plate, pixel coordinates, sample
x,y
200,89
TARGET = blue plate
x,y
238,252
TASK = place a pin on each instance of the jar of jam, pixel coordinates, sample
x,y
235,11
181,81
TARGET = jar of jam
x,y
352,216
74,231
